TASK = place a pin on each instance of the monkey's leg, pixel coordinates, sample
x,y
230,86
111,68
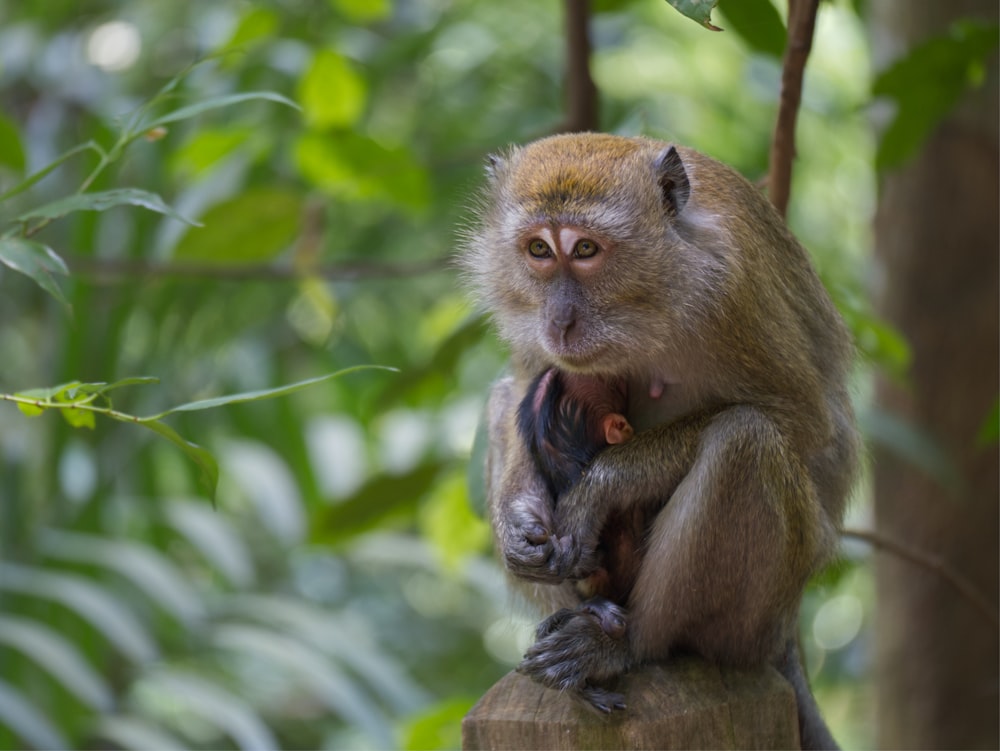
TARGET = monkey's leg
x,y
728,556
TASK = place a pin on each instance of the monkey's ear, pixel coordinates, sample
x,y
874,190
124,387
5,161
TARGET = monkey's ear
x,y
673,181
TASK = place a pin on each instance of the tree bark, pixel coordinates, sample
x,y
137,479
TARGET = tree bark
x,y
936,236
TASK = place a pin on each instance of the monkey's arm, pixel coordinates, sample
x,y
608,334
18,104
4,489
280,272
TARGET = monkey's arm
x,y
520,505
644,470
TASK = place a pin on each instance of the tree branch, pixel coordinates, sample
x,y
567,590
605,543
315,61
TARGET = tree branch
x,y
106,271
933,563
581,93
801,25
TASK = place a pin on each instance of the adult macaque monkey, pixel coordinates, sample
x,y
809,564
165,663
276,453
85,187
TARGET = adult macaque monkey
x,y
631,259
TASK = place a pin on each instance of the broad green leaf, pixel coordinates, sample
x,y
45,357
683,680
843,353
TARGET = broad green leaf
x,y
363,11
94,603
437,726
37,261
137,734
348,166
256,25
34,178
25,720
331,93
215,537
207,147
151,571
208,468
11,151
253,396
447,521
213,704
207,105
697,10
928,82
102,201
78,418
321,677
51,651
254,226
344,638
758,23
380,498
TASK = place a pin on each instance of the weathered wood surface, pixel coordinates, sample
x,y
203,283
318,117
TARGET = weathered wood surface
x,y
685,703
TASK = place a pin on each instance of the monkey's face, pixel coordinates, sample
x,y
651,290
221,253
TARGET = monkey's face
x,y
576,249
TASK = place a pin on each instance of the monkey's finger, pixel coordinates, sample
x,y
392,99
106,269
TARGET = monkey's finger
x,y
602,700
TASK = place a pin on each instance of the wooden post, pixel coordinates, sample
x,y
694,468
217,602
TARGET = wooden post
x,y
685,703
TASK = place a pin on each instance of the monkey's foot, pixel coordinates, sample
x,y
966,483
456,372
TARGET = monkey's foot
x,y
577,649
602,700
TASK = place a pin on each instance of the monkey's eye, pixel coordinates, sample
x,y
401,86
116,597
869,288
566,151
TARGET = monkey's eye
x,y
585,249
539,249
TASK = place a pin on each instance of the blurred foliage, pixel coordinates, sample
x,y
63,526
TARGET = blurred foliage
x,y
231,198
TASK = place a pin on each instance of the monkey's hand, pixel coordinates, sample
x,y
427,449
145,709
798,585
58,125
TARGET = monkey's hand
x,y
576,650
530,549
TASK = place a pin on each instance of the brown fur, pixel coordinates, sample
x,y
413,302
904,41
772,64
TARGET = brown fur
x,y
736,365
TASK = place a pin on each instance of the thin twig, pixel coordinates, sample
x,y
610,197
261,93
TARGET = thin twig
x,y
581,92
933,563
109,271
801,24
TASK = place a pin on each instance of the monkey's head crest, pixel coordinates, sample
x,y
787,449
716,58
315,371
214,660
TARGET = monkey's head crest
x,y
568,175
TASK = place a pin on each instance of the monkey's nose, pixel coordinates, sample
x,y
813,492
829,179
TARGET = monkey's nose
x,y
563,325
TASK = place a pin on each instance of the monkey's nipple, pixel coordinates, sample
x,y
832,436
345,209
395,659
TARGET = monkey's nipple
x,y
656,388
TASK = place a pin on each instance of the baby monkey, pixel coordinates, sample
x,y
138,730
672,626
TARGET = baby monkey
x,y
566,419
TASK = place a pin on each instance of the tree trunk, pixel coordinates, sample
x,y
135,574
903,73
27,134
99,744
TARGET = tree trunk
x,y
937,243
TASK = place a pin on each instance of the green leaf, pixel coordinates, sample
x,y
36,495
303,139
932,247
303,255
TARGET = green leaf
x,y
78,418
51,651
131,732
255,26
348,166
102,201
989,433
34,178
758,23
215,537
95,604
208,468
211,703
928,82
254,396
35,260
319,675
437,726
28,724
207,105
332,94
381,497
363,11
207,147
254,226
11,151
697,10
155,575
